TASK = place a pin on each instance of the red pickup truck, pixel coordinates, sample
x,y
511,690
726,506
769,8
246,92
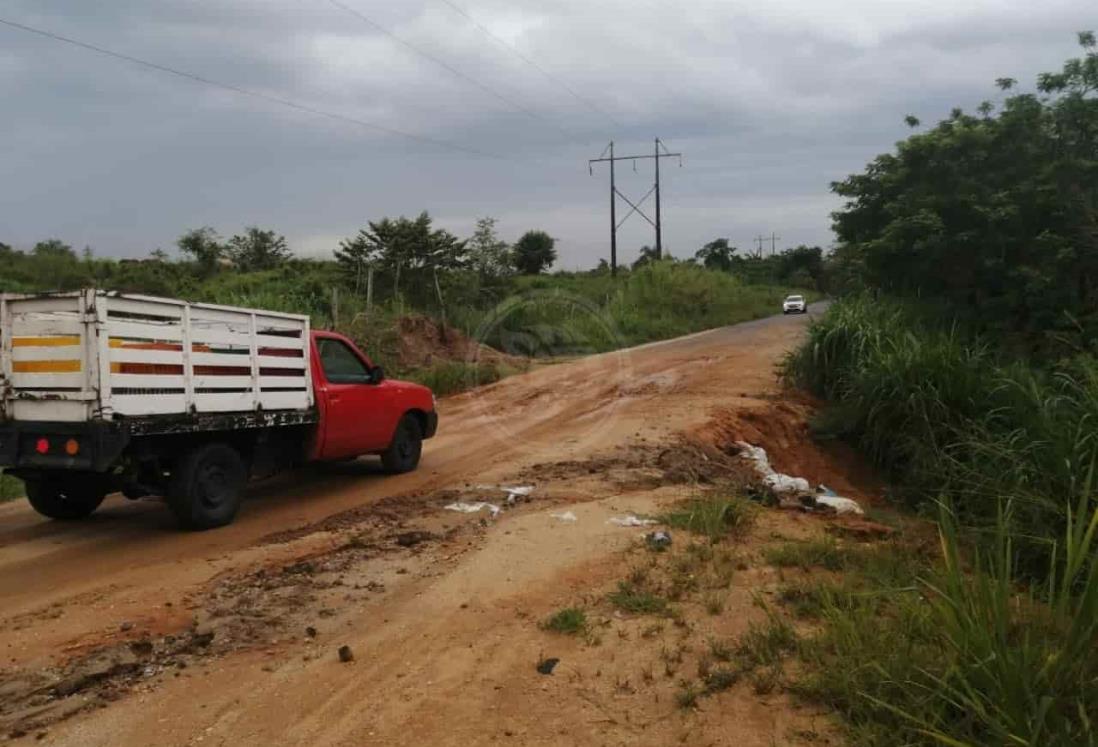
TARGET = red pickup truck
x,y
103,392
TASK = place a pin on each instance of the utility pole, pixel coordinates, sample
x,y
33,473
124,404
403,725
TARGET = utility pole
x,y
614,194
613,218
759,240
659,224
773,242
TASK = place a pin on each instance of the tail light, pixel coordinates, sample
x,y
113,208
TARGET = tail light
x,y
42,446
72,447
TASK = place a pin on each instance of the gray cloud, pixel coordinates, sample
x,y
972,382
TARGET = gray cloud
x,y
769,101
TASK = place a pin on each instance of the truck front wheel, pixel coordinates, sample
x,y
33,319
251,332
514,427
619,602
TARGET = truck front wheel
x,y
403,453
206,486
63,499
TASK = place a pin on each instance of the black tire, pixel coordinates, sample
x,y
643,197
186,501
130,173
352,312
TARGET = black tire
x,y
206,487
65,499
404,452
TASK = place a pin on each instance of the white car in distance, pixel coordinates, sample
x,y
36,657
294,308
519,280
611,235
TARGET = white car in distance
x,y
794,305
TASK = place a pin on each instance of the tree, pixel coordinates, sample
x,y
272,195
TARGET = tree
x,y
408,251
257,249
717,255
204,246
534,252
992,216
647,255
489,255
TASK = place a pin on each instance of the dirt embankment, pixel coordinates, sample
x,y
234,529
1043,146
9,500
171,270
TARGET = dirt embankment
x,y
143,636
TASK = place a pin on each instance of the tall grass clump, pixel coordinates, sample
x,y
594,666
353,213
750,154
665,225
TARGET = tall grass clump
x,y
972,658
945,416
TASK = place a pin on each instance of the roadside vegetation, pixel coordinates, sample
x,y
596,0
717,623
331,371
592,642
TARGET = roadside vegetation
x,y
963,360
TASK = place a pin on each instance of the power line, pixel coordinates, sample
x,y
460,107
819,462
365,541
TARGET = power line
x,y
448,67
247,92
515,50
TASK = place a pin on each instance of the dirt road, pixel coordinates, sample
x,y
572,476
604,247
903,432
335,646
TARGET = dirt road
x,y
230,636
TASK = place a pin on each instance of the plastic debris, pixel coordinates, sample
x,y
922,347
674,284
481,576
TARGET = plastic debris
x,y
824,490
522,491
472,508
566,516
630,521
660,540
840,505
776,481
780,483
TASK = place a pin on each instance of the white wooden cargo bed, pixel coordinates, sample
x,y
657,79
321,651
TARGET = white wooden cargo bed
x,y
97,355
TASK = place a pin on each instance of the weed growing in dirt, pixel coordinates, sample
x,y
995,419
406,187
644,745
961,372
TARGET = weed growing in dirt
x,y
821,553
720,650
687,696
714,516
766,644
630,597
714,604
570,621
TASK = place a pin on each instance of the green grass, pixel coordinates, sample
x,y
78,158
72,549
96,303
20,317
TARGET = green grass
x,y
570,621
630,597
451,377
713,516
969,656
822,553
11,488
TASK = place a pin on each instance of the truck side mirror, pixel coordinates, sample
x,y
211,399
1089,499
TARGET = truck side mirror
x,y
377,375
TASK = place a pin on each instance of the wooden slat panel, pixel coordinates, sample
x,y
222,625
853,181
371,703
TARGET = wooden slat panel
x,y
201,316
68,352
46,304
223,382
145,330
285,400
146,381
219,335
278,361
233,402
271,341
129,355
276,322
135,306
33,381
23,327
148,404
242,360
274,381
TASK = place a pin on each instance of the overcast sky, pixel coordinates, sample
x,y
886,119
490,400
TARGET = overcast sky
x,y
769,101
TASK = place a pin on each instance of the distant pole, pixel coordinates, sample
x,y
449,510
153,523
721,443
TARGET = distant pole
x,y
773,242
659,229
369,288
759,240
661,152
613,218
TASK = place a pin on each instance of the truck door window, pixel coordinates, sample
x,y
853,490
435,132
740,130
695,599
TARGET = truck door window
x,y
340,364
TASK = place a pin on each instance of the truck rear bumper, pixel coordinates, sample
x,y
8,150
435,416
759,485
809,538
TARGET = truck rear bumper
x,y
29,445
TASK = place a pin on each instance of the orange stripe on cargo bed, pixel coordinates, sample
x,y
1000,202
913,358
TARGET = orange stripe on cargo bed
x,y
45,366
45,342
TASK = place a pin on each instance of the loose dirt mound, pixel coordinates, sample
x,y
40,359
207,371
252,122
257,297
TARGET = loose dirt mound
x,y
423,341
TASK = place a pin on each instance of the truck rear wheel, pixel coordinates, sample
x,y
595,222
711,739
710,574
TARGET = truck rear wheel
x,y
206,486
64,499
403,453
